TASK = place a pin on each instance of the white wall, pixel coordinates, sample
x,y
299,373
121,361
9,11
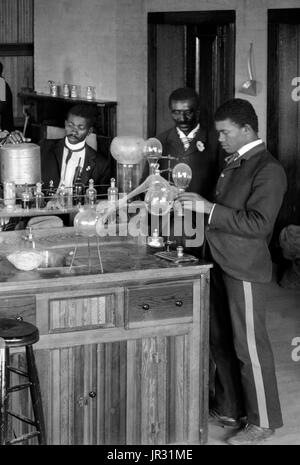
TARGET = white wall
x,y
251,26
75,42
104,43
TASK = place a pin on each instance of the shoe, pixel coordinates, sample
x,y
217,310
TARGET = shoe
x,y
223,420
251,435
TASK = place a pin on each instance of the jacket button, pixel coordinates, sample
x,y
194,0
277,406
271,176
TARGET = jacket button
x,y
217,192
222,175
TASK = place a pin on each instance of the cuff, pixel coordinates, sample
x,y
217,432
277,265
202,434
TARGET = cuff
x,y
211,212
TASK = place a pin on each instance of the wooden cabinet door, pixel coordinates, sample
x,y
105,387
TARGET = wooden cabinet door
x,y
86,396
157,390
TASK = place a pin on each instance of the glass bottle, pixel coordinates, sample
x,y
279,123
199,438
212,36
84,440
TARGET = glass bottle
x,y
51,191
91,194
26,198
112,197
63,197
39,198
9,194
78,188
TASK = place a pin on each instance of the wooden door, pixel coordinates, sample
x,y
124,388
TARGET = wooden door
x,y
283,136
193,49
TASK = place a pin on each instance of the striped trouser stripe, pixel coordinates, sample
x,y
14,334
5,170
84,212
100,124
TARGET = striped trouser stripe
x,y
251,342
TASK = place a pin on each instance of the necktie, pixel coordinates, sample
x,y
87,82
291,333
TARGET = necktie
x,y
231,158
68,157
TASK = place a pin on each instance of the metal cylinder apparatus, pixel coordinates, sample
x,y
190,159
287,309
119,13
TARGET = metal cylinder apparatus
x,y
20,163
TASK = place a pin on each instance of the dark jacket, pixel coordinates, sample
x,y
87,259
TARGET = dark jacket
x,y
6,111
96,166
204,164
248,196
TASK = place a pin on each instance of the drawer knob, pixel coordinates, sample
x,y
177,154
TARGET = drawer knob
x,y
19,318
146,307
178,303
92,394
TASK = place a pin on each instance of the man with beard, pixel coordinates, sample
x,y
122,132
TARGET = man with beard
x,y
63,159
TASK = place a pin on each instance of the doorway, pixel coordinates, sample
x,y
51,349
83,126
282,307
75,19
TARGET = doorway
x,y
189,49
283,104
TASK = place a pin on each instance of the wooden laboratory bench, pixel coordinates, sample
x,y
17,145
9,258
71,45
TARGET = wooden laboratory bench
x,y
123,355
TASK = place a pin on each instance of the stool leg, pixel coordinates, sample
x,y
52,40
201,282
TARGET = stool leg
x,y
3,397
36,397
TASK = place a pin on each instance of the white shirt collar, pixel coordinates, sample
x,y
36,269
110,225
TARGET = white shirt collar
x,y
77,146
249,146
190,135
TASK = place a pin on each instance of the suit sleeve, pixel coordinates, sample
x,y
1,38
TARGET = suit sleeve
x,y
102,173
261,209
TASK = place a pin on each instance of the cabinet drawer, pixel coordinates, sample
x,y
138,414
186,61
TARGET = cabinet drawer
x,y
158,302
22,307
84,312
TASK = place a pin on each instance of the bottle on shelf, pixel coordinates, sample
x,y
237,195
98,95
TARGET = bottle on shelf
x,y
26,198
91,194
112,197
39,197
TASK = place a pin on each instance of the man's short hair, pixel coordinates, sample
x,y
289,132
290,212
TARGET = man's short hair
x,y
84,111
239,111
184,93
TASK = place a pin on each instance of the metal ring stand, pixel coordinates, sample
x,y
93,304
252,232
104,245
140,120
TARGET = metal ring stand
x,y
89,254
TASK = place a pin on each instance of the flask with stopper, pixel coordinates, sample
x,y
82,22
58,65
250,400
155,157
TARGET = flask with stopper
x,y
91,194
112,197
39,198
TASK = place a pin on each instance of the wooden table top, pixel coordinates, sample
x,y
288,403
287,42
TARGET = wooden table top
x,y
123,259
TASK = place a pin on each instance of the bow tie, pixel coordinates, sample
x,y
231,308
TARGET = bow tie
x,y
231,158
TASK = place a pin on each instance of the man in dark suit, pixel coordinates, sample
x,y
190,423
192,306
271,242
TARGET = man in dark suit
x,y
248,196
61,159
6,104
189,142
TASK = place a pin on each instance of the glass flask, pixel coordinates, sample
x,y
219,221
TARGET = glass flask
x,y
182,175
91,194
128,152
159,198
85,222
152,152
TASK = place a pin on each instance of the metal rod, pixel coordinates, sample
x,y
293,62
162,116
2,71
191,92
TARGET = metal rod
x,y
99,255
74,253
89,253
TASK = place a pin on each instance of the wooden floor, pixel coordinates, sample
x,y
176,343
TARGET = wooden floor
x,y
283,320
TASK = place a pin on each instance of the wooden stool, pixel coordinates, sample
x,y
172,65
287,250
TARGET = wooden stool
x,y
14,333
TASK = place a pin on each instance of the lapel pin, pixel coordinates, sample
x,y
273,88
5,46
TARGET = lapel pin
x,y
200,146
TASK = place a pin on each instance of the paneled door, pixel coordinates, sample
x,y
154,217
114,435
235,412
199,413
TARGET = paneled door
x,y
283,136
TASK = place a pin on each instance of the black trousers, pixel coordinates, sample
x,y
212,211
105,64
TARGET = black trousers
x,y
244,379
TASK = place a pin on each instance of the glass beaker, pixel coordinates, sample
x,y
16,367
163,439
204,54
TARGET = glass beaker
x,y
53,88
90,92
128,176
66,90
75,91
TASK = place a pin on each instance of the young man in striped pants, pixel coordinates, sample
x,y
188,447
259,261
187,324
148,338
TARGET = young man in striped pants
x,y
248,196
